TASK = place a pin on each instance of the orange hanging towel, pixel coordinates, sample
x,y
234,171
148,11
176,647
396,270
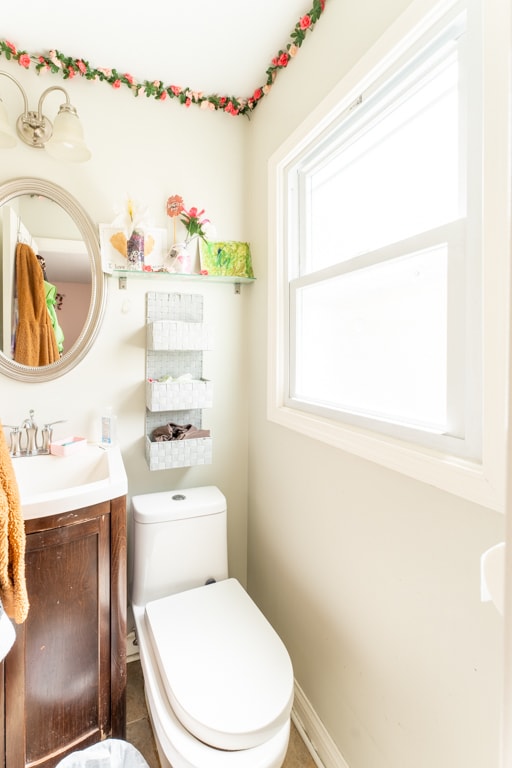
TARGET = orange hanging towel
x,y
13,588
35,338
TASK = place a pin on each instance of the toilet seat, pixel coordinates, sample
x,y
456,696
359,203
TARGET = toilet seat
x,y
226,672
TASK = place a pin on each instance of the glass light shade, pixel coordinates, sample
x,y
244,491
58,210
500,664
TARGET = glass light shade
x,y
67,140
7,136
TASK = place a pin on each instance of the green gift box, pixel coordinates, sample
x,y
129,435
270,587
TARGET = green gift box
x,y
230,258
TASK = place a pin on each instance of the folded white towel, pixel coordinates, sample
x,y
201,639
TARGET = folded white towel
x,y
7,633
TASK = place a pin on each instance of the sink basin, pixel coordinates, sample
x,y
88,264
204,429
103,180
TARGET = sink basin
x,y
50,485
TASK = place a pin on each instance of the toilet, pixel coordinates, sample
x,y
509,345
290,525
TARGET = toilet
x,y
217,678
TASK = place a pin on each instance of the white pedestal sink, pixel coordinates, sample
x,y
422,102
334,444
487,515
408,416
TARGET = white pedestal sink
x,y
50,485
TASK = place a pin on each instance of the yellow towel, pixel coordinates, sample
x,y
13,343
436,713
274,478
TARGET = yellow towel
x,y
13,588
35,338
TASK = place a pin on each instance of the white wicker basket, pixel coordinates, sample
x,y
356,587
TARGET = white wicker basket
x,y
172,454
179,395
175,334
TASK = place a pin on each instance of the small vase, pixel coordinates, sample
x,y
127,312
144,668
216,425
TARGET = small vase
x,y
180,258
135,251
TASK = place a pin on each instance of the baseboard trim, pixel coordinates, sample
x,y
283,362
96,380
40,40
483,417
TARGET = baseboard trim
x,y
321,747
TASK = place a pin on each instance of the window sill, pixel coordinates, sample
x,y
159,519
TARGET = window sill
x,y
474,481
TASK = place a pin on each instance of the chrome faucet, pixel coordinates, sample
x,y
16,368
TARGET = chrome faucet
x,y
24,439
31,430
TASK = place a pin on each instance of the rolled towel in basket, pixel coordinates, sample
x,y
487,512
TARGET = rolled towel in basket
x,y
177,432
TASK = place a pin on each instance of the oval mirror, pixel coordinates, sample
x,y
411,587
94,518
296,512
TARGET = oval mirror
x,y
40,219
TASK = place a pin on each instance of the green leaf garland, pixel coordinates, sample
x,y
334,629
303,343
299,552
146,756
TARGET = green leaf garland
x,y
68,67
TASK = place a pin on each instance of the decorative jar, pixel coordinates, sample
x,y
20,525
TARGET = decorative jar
x,y
135,250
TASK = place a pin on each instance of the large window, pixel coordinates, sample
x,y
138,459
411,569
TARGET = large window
x,y
379,246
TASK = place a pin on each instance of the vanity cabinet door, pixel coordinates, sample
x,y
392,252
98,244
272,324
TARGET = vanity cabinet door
x,y
58,673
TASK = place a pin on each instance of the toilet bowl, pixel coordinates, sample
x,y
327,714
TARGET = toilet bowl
x,y
218,679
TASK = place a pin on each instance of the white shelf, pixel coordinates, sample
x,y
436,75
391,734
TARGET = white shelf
x,y
124,274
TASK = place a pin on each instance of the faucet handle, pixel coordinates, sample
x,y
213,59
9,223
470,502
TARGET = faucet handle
x,y
46,434
15,449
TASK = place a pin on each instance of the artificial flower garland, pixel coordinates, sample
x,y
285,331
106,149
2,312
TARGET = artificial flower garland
x,y
69,67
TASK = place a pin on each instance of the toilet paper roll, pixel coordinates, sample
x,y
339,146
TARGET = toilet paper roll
x,y
492,576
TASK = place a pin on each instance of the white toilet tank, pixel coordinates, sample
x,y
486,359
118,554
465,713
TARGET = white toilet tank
x,y
180,541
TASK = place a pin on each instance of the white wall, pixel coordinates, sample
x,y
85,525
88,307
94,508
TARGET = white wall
x,y
149,150
371,578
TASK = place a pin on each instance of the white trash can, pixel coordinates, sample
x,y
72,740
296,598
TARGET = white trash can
x,y
111,753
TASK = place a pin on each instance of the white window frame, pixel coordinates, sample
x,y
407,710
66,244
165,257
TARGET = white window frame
x,y
480,480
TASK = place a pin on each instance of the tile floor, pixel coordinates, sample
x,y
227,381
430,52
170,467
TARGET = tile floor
x,y
139,733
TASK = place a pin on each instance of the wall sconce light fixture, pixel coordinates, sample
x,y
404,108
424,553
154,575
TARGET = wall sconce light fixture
x,y
64,140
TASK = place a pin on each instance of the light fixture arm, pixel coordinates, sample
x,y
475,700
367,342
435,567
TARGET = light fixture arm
x,y
40,115
25,100
34,128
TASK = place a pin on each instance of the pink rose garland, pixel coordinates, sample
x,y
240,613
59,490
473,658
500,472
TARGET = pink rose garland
x,y
68,67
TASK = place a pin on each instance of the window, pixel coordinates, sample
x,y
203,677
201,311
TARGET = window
x,y
379,250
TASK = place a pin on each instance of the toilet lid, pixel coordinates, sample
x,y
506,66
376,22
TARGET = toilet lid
x,y
226,672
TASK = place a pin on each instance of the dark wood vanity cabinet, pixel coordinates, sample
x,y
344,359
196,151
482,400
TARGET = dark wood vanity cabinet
x,y
65,677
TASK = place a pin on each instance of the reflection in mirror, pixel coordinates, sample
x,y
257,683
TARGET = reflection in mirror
x,y
46,234
64,263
